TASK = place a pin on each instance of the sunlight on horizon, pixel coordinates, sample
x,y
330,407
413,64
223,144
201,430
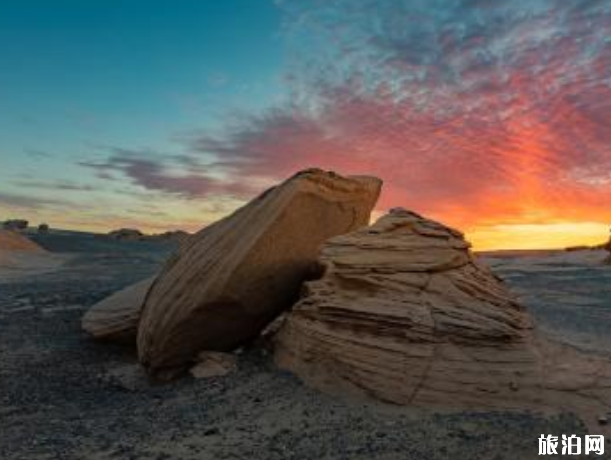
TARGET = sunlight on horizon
x,y
538,236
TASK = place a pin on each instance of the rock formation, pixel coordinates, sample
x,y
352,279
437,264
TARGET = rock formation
x,y
607,247
13,241
116,317
228,281
405,314
179,236
126,234
213,364
15,224
133,234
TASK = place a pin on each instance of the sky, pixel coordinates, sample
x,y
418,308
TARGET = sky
x,y
491,116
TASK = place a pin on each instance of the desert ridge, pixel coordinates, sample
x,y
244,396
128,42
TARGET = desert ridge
x,y
15,241
21,257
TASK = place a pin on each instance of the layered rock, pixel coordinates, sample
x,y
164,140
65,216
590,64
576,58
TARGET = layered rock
x,y
228,281
116,317
404,313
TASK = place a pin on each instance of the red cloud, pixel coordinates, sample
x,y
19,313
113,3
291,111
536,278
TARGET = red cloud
x,y
476,122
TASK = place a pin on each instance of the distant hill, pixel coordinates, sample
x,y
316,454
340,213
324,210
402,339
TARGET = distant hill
x,y
13,241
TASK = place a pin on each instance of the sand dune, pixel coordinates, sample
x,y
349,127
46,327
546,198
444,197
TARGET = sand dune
x,y
13,241
20,256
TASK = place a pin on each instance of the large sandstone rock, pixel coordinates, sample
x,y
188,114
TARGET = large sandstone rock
x,y
116,317
228,281
405,314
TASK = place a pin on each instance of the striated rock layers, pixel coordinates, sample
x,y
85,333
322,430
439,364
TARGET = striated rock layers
x,y
116,317
228,281
405,314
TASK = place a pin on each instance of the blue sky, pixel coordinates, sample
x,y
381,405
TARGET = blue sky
x,y
170,114
79,76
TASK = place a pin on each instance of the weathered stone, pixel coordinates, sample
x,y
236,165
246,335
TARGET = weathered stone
x,y
116,317
607,247
213,364
228,281
179,236
404,313
15,224
126,234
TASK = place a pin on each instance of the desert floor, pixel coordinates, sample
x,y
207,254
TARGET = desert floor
x,y
66,397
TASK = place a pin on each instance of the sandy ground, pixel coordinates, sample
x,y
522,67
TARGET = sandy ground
x,y
17,264
568,293
63,396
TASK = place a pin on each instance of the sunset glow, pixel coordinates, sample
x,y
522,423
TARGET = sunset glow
x,y
492,117
538,236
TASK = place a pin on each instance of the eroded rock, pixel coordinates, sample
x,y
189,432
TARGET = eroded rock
x,y
126,234
231,279
404,313
116,317
213,364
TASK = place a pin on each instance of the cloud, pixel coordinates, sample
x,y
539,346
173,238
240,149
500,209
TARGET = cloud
x,y
479,113
159,173
29,202
59,185
475,112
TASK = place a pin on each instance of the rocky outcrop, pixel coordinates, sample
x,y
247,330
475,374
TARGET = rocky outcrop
x,y
126,234
214,364
13,241
116,317
228,281
405,314
179,236
607,247
133,234
15,224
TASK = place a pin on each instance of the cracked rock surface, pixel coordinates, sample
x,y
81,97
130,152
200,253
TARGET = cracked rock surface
x,y
405,313
232,278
